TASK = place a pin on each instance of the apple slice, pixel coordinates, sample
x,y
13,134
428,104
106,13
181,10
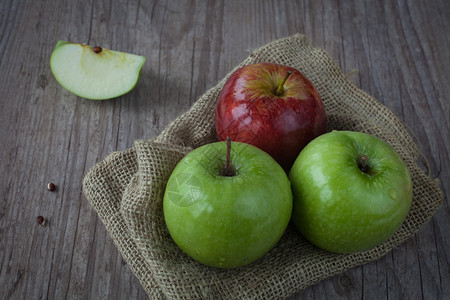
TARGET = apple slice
x,y
95,73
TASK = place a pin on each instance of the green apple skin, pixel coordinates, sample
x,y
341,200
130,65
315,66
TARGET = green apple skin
x,y
96,76
340,206
227,221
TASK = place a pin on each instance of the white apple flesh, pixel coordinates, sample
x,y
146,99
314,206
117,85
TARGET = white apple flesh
x,y
95,73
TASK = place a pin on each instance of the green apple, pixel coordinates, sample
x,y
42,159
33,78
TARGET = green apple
x,y
226,217
351,191
93,72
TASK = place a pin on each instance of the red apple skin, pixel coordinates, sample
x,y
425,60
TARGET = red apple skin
x,y
249,111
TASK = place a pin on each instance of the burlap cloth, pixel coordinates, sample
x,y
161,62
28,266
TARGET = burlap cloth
x,y
126,189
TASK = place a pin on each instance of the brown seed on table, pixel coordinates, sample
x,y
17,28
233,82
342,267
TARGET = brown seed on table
x,y
51,186
41,221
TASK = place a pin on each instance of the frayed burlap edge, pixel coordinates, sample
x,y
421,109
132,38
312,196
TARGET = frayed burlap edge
x,y
126,190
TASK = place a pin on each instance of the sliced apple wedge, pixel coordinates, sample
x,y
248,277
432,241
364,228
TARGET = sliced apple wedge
x,y
95,73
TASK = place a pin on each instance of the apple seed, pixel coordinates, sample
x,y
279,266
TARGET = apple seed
x,y
51,186
97,49
41,221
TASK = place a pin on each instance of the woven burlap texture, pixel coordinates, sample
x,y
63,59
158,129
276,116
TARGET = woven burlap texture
x,y
126,189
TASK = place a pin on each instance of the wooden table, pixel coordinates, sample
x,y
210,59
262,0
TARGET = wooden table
x,y
397,51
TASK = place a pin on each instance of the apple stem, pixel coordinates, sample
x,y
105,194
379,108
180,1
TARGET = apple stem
x,y
228,170
280,86
362,163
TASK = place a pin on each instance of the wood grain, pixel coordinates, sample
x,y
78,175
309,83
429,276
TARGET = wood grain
x,y
397,51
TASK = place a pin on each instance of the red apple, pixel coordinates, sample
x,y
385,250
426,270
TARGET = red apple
x,y
273,107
